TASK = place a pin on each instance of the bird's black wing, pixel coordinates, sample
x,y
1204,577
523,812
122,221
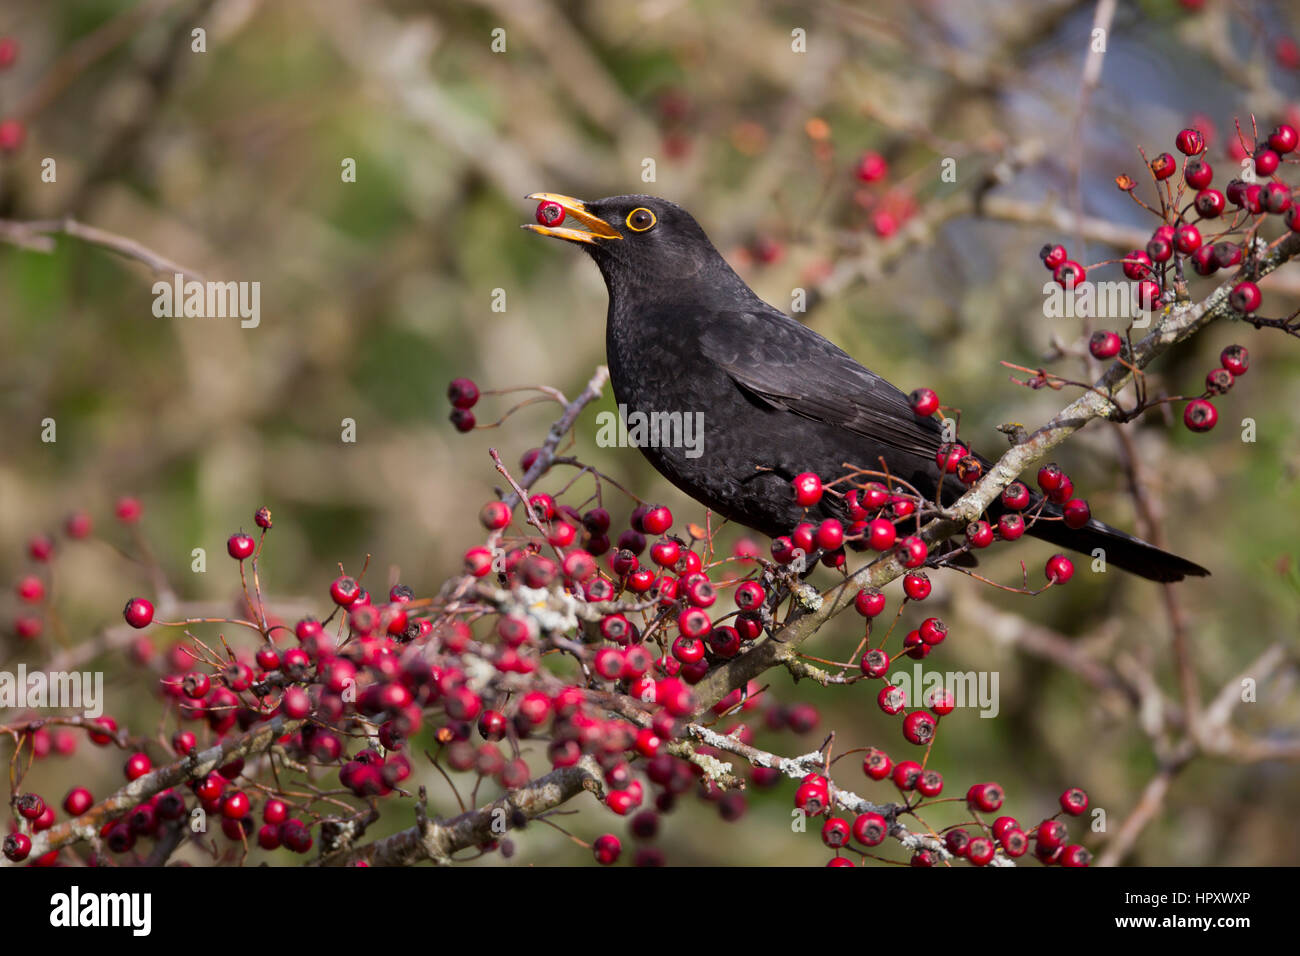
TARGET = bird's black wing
x,y
787,365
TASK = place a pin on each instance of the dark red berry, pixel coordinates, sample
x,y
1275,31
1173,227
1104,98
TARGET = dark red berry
x,y
1198,174
1052,256
1236,359
1077,513
1210,203
1104,345
1200,415
1190,142
462,393
463,419
1163,166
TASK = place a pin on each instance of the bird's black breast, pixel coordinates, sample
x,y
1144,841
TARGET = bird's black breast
x,y
774,400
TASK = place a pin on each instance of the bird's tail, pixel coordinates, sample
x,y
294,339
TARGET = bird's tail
x,y
1117,548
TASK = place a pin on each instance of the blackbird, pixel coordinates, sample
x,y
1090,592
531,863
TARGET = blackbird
x,y
684,334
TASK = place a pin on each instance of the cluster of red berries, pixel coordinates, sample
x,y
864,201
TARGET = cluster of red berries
x,y
887,209
463,395
817,797
33,587
1200,415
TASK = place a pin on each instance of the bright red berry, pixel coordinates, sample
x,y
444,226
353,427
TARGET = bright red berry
x,y
1190,142
1236,359
240,546
1074,801
138,612
1200,415
924,402
916,585
1059,569
807,489
137,765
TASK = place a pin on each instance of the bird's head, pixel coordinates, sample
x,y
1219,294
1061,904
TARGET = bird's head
x,y
636,239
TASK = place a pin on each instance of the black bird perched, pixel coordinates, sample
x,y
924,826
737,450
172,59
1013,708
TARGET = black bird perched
x,y
685,334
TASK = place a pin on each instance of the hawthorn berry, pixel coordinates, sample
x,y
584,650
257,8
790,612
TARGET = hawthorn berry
x,y
1015,496
933,630
1190,142
924,402
1069,274
891,699
17,846
957,841
1076,513
906,774
869,602
462,393
30,806
128,510
1075,856
1163,166
1052,256
876,764
1074,801
870,829
985,797
30,589
916,585
979,534
137,765
875,663
1210,203
345,591
830,534
1104,344
1236,359
1266,162
1187,239
1051,834
912,552
1137,265
1050,477
1059,569
980,851
1283,139
807,489
919,727
1200,415
835,832
78,801
138,612
1198,174
657,520
871,167
240,546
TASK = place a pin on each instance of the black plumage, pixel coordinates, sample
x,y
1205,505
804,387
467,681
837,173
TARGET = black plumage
x,y
686,334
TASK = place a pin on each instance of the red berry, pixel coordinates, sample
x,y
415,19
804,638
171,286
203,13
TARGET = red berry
x,y
1050,477
1015,496
462,393
871,168
750,595
985,797
1075,856
835,832
807,489
12,133
941,702
30,589
830,534
1200,415
657,520
933,630
1163,166
17,845
919,727
1198,174
137,765
1218,381
906,775
606,848
1283,139
891,699
1210,203
1104,345
138,612
128,510
876,764
979,534
980,850
1077,513
912,552
869,602
924,402
870,829
1190,142
1235,359
78,801
240,546
1187,239
345,591
1266,162
1137,265
1011,527
1052,256
1059,569
916,585
1051,834
1074,801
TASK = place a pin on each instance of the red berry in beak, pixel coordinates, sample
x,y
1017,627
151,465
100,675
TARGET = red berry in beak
x,y
550,213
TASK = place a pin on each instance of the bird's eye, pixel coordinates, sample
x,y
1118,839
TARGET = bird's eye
x,y
640,219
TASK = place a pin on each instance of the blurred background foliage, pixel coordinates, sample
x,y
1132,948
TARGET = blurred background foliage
x,y
376,293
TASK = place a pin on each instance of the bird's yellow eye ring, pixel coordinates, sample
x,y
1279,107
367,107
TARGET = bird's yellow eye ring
x,y
640,219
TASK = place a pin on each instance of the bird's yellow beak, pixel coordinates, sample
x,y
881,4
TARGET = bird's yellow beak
x,y
599,228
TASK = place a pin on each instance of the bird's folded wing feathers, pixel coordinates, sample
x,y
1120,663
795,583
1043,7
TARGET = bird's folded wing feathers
x,y
787,365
